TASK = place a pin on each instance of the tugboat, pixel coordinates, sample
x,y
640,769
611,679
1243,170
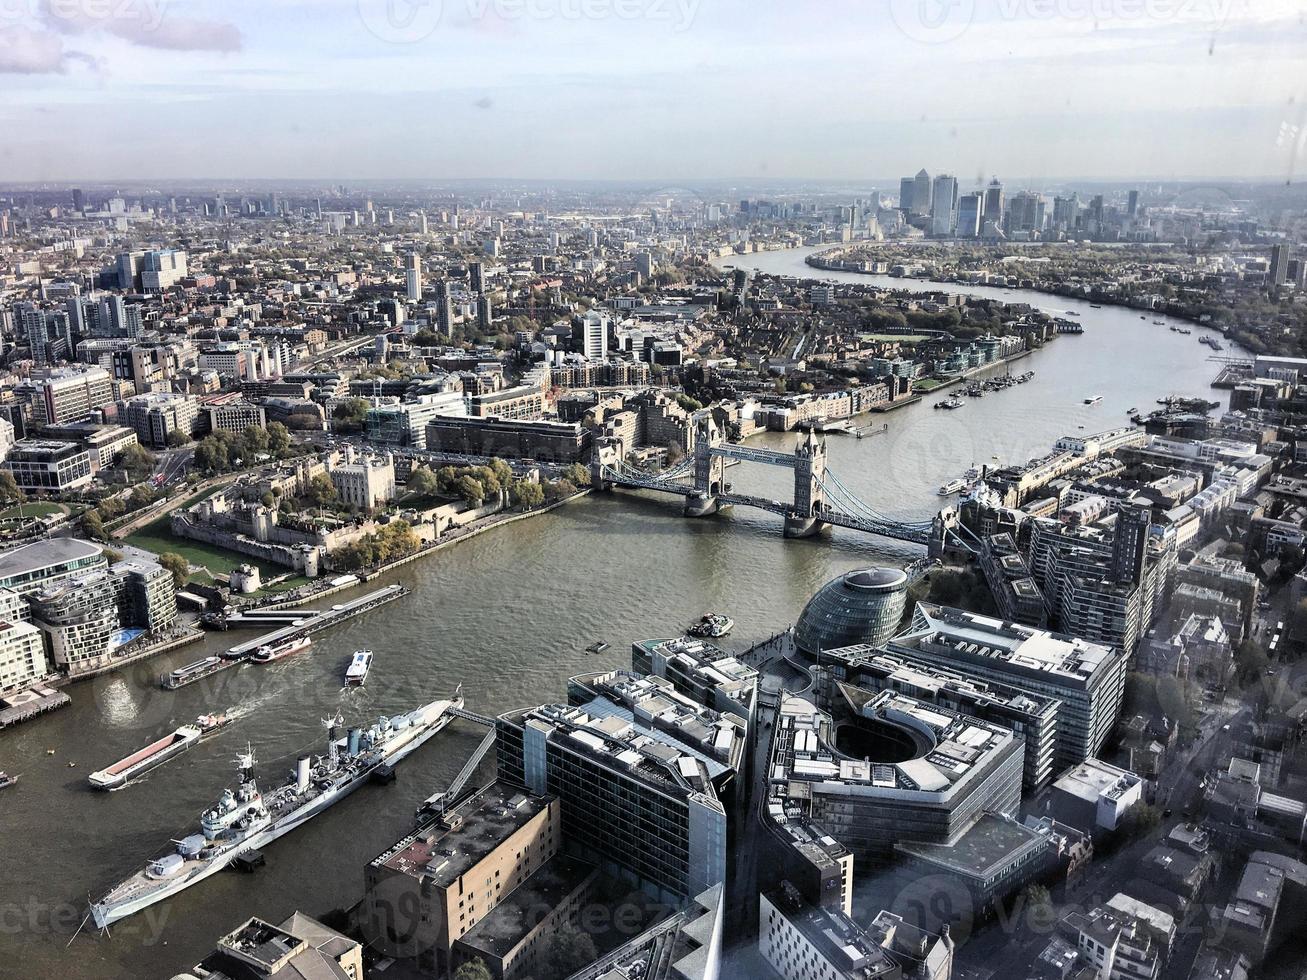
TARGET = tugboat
x,y
7,780
359,665
712,626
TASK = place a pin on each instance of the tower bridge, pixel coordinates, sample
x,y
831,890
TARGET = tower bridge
x,y
819,500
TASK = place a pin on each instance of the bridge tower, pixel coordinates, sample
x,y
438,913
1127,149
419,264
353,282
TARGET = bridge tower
x,y
607,452
809,498
709,468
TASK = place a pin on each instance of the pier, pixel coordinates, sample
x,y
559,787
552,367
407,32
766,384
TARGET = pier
x,y
304,623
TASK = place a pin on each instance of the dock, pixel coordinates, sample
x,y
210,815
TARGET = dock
x,y
317,621
258,618
30,703
301,623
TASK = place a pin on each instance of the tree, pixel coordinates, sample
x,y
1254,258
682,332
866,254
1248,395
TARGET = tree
x,y
577,474
177,438
351,411
1250,662
568,950
446,477
470,489
92,526
559,489
10,492
1037,900
1142,819
254,441
141,496
527,494
137,461
211,455
321,491
503,472
485,476
178,565
423,482
111,507
278,438
472,970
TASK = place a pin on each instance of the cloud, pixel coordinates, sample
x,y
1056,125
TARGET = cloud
x,y
145,23
27,52
183,34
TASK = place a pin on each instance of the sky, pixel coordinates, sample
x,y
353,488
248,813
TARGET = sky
x,y
651,89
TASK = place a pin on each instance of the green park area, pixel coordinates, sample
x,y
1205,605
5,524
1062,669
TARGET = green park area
x,y
928,384
157,537
32,510
889,338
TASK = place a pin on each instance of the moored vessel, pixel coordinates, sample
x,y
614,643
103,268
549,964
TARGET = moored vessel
x,y
712,625
268,653
193,672
244,818
952,487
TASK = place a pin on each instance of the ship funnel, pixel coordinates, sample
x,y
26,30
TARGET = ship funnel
x,y
354,735
302,774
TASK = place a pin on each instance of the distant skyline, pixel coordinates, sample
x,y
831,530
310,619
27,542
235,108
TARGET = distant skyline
x,y
652,90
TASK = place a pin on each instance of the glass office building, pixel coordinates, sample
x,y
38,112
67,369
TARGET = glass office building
x,y
863,606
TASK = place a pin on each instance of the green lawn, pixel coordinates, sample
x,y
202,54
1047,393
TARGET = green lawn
x,y
32,509
926,385
157,537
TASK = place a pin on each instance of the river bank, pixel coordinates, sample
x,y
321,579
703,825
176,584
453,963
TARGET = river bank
x,y
815,260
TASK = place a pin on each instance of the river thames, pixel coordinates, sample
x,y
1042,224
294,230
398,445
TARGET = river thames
x,y
508,614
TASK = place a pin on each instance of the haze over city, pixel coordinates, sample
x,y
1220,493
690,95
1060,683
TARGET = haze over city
x,y
653,490
650,89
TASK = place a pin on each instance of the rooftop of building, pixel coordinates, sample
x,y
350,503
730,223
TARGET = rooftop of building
x,y
646,729
523,909
970,635
936,749
442,850
39,555
300,948
842,943
990,843
1093,779
912,676
706,663
43,447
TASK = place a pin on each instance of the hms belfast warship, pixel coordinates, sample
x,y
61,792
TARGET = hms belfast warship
x,y
245,818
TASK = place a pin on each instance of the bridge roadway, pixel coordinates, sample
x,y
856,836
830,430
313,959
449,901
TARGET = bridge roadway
x,y
836,518
750,454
